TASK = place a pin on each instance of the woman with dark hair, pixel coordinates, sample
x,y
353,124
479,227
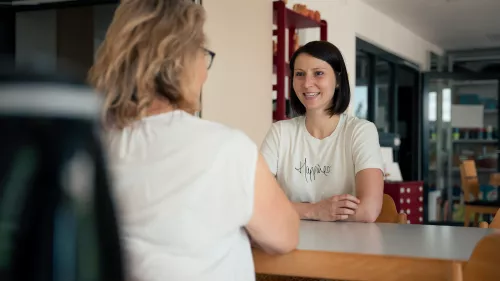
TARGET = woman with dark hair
x,y
328,162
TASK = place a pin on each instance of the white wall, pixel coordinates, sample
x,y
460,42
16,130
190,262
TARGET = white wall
x,y
238,92
348,19
379,29
338,14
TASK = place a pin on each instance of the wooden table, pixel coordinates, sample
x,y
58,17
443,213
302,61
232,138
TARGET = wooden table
x,y
373,251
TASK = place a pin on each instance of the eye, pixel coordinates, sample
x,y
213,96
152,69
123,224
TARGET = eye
x,y
299,73
319,73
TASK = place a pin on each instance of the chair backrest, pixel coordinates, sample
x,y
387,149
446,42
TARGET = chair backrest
x,y
495,223
389,213
484,261
57,217
468,177
483,224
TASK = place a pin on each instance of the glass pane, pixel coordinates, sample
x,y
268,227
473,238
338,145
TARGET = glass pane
x,y
360,106
465,128
436,131
475,127
382,80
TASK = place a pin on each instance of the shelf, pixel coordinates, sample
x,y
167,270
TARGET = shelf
x,y
457,170
296,20
472,141
475,82
286,23
287,67
476,141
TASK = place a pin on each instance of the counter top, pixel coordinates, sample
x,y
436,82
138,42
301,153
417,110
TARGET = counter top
x,y
413,241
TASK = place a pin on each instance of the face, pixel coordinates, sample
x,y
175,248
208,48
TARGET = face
x,y
314,82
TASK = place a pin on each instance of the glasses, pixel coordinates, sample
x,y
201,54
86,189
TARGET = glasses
x,y
209,57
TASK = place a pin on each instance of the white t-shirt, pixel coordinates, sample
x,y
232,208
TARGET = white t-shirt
x,y
310,169
184,188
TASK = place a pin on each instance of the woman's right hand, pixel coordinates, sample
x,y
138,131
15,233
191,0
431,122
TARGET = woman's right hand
x,y
335,208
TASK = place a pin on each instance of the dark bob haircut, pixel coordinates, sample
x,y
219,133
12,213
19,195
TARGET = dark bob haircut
x,y
327,52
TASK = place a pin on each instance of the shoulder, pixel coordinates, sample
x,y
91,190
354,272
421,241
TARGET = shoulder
x,y
229,137
220,145
358,126
288,125
180,130
201,129
354,122
207,125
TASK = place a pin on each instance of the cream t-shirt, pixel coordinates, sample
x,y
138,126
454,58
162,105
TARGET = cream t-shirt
x,y
310,169
184,188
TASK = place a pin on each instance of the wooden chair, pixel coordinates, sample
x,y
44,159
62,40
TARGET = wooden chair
x,y
470,187
495,223
388,214
483,263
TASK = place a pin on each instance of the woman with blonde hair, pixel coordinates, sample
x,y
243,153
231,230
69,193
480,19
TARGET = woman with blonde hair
x,y
189,191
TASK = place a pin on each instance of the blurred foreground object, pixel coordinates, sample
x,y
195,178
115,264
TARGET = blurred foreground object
x,y
57,220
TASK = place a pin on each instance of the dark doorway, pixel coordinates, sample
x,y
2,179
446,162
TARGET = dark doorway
x,y
7,37
407,116
391,85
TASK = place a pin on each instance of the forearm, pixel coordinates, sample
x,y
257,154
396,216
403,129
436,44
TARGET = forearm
x,y
367,211
305,210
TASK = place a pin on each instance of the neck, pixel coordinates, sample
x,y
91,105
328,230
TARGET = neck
x,y
320,125
158,107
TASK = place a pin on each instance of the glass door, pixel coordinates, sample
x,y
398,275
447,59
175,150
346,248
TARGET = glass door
x,y
360,104
461,119
383,87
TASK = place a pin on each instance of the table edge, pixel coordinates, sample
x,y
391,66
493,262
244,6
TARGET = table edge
x,y
346,266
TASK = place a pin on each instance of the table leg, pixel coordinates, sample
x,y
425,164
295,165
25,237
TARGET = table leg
x,y
456,272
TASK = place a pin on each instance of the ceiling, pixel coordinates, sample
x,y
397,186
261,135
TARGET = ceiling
x,y
34,5
449,24
31,2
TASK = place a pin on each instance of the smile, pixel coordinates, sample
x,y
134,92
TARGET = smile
x,y
311,95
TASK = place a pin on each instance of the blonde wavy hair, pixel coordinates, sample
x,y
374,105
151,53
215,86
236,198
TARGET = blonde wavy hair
x,y
148,53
